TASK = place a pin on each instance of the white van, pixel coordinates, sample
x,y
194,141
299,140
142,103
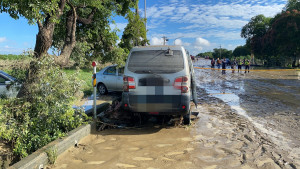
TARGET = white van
x,y
157,80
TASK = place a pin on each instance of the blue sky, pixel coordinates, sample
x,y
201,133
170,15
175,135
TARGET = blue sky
x,y
199,25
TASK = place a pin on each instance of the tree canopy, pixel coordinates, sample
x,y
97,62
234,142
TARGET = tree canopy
x,y
275,39
222,53
75,18
241,51
134,33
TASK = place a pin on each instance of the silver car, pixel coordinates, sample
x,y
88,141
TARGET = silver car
x,y
9,87
158,80
110,78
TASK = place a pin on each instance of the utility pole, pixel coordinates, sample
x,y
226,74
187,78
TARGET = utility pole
x,y
177,38
165,39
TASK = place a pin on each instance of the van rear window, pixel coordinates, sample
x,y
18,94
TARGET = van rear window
x,y
155,61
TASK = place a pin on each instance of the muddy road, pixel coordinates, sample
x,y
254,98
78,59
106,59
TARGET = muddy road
x,y
245,121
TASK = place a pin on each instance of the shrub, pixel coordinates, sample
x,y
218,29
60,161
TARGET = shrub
x,y
29,124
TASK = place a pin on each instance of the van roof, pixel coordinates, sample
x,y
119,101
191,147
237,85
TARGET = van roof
x,y
153,47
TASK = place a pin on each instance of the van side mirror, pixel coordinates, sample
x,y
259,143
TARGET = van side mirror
x,y
7,82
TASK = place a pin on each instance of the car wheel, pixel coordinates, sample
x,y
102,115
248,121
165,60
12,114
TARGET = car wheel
x,y
102,89
187,118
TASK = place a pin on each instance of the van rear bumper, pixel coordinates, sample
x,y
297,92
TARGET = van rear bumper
x,y
157,104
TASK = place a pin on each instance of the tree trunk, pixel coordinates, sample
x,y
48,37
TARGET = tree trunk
x,y
43,43
43,40
70,41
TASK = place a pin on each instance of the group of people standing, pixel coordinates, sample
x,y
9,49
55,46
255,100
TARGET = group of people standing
x,y
239,62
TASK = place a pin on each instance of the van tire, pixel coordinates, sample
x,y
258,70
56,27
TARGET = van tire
x,y
187,118
102,89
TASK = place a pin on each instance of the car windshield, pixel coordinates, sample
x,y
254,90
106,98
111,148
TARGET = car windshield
x,y
7,75
155,61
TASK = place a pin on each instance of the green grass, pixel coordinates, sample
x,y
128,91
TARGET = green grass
x,y
13,57
86,76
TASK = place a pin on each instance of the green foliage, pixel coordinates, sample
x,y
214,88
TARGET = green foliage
x,y
257,26
94,41
205,54
275,40
19,73
225,53
134,33
47,114
241,51
14,57
52,155
292,5
86,76
31,10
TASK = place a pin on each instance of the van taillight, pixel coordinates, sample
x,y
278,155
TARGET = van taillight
x,y
128,83
180,83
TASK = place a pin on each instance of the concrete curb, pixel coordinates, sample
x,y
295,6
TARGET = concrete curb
x,y
39,158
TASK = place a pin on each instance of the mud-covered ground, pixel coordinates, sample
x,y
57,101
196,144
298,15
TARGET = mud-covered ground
x,y
245,121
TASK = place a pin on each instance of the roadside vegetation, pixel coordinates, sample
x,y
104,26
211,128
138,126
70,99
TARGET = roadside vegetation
x,y
34,120
78,32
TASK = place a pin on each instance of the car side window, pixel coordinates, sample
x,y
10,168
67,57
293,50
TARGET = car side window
x,y
121,71
2,80
110,71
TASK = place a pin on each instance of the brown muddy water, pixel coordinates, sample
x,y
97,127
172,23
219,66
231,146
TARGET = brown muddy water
x,y
245,121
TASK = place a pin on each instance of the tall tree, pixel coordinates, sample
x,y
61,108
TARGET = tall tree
x,y
43,13
224,53
135,32
241,51
254,31
46,14
284,36
292,5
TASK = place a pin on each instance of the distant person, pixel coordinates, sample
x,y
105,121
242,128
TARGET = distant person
x,y
247,65
212,62
218,63
223,66
240,63
233,63
193,58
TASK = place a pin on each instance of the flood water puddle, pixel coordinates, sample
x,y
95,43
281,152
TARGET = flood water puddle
x,y
226,90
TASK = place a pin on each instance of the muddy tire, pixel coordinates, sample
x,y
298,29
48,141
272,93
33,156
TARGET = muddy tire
x,y
187,119
102,89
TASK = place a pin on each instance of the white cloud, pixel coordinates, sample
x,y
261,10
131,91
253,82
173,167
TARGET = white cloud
x,y
6,47
201,42
178,42
2,39
223,15
156,41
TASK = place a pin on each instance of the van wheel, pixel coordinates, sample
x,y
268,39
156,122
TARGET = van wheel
x,y
187,119
102,89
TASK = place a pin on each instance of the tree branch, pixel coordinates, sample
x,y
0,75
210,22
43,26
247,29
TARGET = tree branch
x,y
88,20
40,25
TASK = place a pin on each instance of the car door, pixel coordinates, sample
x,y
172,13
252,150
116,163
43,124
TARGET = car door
x,y
110,78
119,85
3,89
7,90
